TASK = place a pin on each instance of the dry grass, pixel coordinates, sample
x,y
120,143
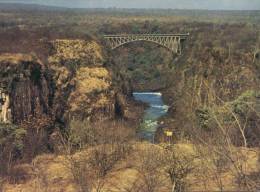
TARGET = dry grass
x,y
15,58
76,50
50,173
91,82
15,61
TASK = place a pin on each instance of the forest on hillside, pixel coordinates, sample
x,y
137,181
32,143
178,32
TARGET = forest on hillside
x,y
73,119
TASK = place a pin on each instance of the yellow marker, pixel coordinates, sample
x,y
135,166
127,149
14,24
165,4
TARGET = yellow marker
x,y
169,133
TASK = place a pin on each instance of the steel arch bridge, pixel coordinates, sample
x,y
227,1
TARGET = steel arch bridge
x,y
173,42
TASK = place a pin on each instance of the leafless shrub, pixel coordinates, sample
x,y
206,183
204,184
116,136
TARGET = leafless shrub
x,y
81,172
150,170
36,140
99,148
212,166
178,166
19,174
223,153
41,178
135,186
1,184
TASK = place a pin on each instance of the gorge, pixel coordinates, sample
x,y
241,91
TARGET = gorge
x,y
76,116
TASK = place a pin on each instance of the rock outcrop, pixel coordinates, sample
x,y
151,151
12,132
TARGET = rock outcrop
x,y
40,98
74,83
84,87
5,111
24,87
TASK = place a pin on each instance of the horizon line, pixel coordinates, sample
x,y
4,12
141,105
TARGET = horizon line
x,y
121,8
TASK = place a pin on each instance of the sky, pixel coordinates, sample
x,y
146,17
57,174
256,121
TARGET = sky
x,y
164,4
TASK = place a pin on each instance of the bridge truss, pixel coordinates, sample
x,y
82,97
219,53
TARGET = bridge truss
x,y
174,42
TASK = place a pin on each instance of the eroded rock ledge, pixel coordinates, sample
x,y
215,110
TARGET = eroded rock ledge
x,y
73,84
24,87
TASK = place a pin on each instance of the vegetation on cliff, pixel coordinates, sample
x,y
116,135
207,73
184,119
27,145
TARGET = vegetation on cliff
x,y
93,92
64,81
78,71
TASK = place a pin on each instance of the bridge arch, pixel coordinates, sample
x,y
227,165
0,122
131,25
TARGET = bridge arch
x,y
154,42
172,42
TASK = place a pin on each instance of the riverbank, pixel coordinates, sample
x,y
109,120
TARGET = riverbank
x,y
167,122
134,112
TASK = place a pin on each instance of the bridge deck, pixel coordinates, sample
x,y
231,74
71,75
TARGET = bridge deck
x,y
150,35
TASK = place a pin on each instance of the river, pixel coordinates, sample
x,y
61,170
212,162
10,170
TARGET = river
x,y
156,109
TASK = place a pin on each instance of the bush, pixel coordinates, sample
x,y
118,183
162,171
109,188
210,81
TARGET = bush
x,y
203,118
11,145
245,102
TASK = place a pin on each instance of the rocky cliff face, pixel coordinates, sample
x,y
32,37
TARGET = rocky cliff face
x,y
83,86
74,84
24,86
39,98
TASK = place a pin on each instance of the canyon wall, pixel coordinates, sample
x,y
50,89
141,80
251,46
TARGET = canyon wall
x,y
74,83
25,87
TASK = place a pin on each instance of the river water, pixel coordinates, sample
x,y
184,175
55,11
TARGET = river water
x,y
156,109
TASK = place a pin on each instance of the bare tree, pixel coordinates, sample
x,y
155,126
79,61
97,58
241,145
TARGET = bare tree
x,y
178,166
150,169
92,155
1,184
41,177
222,148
